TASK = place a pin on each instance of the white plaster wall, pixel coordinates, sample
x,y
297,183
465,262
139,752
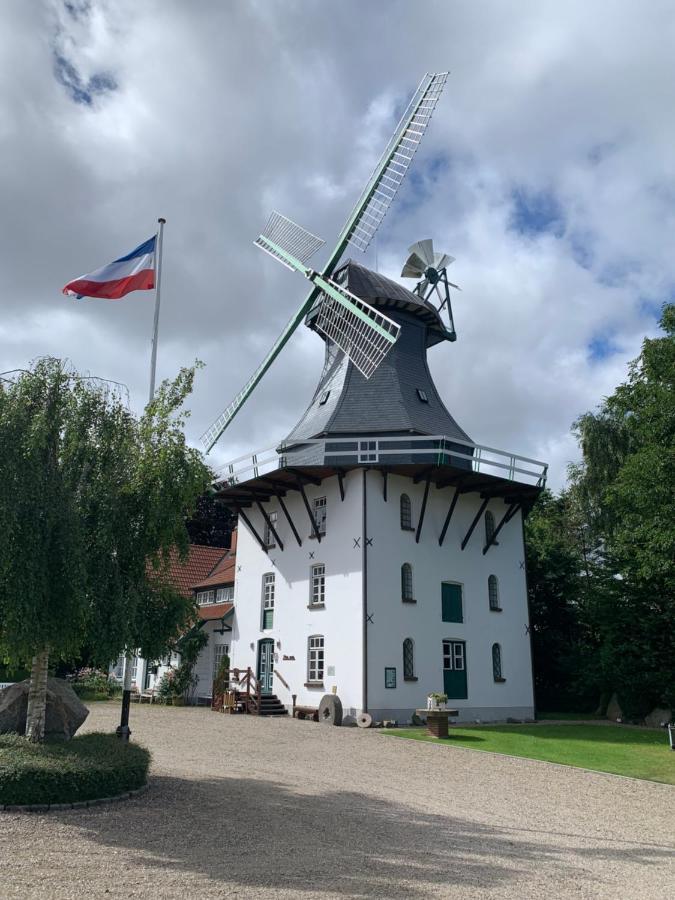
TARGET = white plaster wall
x,y
394,620
340,621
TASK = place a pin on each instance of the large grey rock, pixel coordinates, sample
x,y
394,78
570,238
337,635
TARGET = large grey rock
x,y
65,711
658,717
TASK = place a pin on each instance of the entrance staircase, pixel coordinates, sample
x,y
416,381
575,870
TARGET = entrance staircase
x,y
271,705
240,691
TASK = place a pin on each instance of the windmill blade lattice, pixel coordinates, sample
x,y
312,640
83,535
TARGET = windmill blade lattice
x,y
295,239
362,332
390,171
366,341
361,225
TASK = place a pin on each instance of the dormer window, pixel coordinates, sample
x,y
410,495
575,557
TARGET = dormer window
x,y
422,395
324,398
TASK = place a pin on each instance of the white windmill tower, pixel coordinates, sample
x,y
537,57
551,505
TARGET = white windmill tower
x,y
370,503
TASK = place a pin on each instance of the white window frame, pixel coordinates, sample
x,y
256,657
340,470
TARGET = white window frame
x,y
268,593
225,594
320,508
219,650
368,451
315,659
451,657
317,584
268,535
205,598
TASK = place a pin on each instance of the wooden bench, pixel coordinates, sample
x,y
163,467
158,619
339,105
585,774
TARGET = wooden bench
x,y
306,712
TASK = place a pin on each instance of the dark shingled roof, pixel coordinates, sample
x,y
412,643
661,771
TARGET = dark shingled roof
x,y
387,295
391,401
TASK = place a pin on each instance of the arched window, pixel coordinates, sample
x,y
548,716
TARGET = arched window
x,y
493,593
489,527
407,583
408,659
406,513
497,663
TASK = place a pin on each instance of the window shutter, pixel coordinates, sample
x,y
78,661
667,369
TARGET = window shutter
x,y
451,603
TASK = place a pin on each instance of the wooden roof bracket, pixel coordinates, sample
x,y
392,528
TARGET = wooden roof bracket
x,y
508,515
288,517
424,506
251,528
269,524
315,527
451,509
475,522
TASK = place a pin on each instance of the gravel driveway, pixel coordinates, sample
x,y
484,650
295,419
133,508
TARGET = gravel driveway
x,y
255,808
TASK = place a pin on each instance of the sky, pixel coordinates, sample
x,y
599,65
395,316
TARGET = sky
x,y
547,171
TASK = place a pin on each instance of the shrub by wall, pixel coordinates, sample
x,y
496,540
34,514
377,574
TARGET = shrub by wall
x,y
89,767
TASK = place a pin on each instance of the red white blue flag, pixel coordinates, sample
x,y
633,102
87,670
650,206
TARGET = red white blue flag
x,y
133,272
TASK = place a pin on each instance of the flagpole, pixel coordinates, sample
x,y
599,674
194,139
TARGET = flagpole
x,y
153,359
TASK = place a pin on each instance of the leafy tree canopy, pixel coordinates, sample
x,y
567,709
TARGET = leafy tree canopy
x,y
92,499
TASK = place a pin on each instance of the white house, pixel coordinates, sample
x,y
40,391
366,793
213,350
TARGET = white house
x,y
380,552
207,575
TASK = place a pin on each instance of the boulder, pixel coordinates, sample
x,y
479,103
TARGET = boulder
x,y
64,715
659,717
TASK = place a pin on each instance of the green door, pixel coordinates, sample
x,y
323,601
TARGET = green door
x,y
451,602
454,670
266,664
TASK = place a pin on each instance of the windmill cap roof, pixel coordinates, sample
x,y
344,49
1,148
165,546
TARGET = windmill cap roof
x,y
378,290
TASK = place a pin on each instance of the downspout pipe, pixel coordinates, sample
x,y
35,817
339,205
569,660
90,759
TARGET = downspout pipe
x,y
364,590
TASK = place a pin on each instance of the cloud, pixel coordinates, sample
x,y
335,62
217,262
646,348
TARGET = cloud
x,y
547,172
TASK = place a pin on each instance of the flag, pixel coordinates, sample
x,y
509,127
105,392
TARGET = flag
x,y
133,272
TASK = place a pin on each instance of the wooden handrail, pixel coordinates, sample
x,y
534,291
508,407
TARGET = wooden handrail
x,y
281,678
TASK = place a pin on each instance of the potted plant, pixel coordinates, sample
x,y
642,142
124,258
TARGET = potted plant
x,y
436,700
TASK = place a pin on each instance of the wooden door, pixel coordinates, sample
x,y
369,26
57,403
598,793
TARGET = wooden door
x,y
265,664
454,670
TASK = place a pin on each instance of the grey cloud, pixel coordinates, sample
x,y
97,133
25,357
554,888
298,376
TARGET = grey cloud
x,y
222,111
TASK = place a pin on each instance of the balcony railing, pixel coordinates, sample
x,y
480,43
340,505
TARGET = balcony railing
x,y
354,451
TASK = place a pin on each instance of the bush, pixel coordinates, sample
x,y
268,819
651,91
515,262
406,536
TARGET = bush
x,y
93,684
88,767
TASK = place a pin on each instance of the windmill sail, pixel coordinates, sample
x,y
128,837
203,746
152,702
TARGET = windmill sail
x,y
363,222
390,171
364,334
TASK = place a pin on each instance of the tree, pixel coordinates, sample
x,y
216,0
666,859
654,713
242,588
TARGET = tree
x,y
624,491
92,499
212,523
558,577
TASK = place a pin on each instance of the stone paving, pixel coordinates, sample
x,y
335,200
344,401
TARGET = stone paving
x,y
250,808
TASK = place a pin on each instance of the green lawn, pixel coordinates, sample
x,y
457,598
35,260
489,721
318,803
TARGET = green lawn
x,y
638,753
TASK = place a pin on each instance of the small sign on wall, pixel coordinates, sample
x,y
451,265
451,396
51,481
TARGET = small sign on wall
x,y
390,677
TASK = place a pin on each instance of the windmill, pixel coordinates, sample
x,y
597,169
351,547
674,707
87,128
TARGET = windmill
x,y
431,266
362,333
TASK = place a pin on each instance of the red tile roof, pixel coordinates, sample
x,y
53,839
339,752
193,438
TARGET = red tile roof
x,y
215,611
200,562
223,571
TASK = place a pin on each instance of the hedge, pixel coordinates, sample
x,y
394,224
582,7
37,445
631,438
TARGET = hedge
x,y
88,767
